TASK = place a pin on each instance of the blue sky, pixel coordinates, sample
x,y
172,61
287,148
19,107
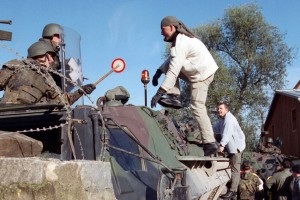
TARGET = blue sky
x,y
130,29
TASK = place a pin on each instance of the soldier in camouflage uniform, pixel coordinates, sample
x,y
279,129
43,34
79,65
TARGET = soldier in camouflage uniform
x,y
250,184
279,182
29,82
52,34
269,148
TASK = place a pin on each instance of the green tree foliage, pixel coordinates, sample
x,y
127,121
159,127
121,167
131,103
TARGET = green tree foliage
x,y
256,56
252,50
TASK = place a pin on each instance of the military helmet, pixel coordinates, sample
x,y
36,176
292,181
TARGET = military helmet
x,y
51,29
117,94
39,48
269,140
246,165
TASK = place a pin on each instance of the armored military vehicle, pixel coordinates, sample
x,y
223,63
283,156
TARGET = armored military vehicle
x,y
148,155
266,163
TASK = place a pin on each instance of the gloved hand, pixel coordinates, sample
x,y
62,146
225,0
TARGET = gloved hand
x,y
156,77
89,88
160,92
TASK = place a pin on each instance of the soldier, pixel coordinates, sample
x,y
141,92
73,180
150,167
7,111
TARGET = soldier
x,y
29,82
52,34
269,148
250,184
279,182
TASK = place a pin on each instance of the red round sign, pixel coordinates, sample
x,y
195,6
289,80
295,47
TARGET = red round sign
x,y
118,65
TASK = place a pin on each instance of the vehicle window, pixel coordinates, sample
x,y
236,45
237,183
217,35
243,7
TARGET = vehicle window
x,y
120,139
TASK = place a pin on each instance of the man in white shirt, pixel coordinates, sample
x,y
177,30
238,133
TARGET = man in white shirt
x,y
191,61
233,139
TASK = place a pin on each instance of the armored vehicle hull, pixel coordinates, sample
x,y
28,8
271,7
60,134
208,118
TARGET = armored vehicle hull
x,y
147,154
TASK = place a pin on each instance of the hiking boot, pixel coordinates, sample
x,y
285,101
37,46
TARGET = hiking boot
x,y
171,101
210,149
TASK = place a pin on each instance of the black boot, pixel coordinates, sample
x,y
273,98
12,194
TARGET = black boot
x,y
172,101
228,195
210,148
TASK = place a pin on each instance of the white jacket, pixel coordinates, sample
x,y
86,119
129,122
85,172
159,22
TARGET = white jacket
x,y
190,60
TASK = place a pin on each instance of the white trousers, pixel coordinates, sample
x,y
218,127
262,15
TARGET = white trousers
x,y
198,99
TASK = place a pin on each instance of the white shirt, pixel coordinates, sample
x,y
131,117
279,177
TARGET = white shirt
x,y
233,138
190,60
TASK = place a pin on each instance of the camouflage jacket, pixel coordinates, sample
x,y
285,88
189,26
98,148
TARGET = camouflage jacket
x,y
249,185
23,84
272,149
